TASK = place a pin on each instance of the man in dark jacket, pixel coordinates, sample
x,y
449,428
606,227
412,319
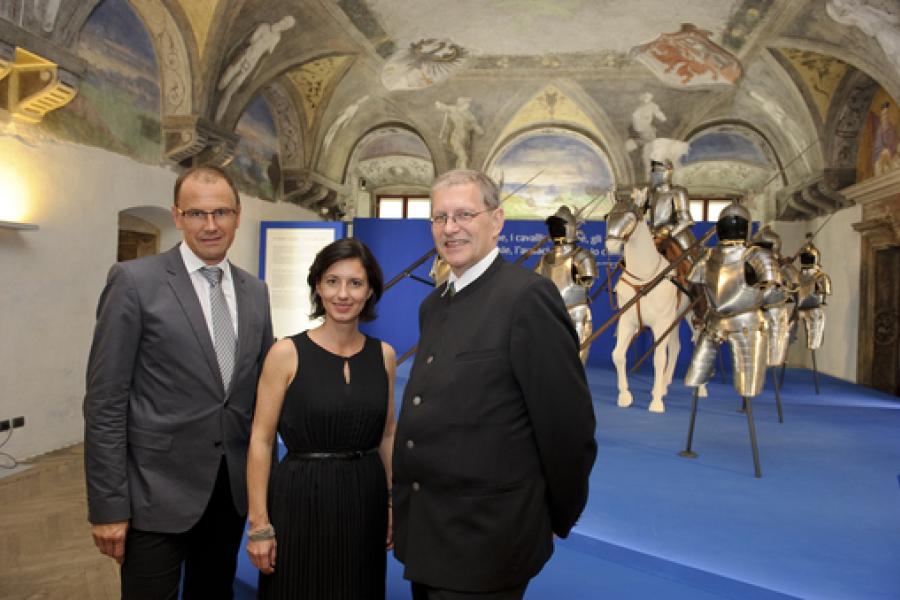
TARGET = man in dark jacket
x,y
495,439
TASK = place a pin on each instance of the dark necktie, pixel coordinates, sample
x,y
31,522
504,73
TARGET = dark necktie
x,y
224,339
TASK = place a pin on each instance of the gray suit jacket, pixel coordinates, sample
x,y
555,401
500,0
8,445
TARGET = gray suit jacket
x,y
157,419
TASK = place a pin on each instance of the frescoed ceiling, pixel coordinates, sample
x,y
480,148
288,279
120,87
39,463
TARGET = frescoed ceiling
x,y
821,74
469,77
315,79
200,14
537,27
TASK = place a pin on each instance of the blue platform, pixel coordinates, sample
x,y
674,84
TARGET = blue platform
x,y
822,522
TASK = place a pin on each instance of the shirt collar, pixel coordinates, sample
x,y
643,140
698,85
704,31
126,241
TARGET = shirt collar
x,y
193,263
474,272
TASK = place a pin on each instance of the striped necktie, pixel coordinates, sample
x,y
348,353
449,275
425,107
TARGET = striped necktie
x,y
224,338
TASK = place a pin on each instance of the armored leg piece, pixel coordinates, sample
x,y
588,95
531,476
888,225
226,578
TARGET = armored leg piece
x,y
814,320
748,358
703,361
584,326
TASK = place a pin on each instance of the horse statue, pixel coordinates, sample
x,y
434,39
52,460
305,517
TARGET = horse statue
x,y
628,234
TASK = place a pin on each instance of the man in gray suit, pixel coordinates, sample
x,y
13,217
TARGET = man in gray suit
x,y
171,384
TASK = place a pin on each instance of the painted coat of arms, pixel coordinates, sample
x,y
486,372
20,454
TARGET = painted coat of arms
x,y
689,58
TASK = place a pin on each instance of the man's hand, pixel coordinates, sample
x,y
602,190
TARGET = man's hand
x,y
110,538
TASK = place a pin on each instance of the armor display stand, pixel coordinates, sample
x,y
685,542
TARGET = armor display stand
x,y
777,387
688,452
815,371
756,470
777,395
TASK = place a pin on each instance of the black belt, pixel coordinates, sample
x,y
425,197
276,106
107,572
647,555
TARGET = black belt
x,y
345,455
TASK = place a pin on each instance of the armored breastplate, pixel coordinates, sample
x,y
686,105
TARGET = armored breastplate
x,y
558,266
726,282
808,295
662,215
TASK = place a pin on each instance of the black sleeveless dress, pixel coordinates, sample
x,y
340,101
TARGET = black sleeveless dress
x,y
330,512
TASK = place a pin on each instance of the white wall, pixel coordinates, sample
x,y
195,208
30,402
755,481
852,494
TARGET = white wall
x,y
50,279
841,259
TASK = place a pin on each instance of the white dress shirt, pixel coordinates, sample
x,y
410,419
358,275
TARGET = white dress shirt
x,y
473,273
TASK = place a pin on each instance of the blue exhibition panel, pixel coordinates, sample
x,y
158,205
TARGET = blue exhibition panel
x,y
398,243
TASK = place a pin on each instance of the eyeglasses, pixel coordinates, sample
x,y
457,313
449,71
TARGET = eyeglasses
x,y
200,216
460,217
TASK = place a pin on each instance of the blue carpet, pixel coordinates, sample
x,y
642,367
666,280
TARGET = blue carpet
x,y
822,522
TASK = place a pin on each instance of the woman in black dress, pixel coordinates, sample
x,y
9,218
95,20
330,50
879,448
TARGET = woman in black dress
x,y
320,526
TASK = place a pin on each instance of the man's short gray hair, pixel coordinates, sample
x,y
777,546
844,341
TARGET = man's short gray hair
x,y
490,195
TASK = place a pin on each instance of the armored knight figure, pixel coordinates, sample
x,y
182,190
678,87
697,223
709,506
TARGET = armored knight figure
x,y
573,270
735,278
668,207
778,301
440,271
815,286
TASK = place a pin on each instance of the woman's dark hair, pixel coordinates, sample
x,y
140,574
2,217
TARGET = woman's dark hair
x,y
339,250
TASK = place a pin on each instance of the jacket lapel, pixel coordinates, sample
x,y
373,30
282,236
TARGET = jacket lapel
x,y
244,308
184,290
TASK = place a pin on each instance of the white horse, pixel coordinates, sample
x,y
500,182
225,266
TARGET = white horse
x,y
627,233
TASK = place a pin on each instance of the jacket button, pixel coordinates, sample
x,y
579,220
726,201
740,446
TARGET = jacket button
x,y
417,400
415,486
217,444
410,444
429,360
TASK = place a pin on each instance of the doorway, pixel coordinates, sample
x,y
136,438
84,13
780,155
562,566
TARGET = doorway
x,y
885,373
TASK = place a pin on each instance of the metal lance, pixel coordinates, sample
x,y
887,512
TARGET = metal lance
x,y
647,288
665,334
408,270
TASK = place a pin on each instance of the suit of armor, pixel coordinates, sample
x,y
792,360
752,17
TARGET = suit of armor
x,y
735,277
815,286
778,301
573,270
440,271
668,207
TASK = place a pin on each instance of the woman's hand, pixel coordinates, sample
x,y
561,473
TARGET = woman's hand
x,y
262,555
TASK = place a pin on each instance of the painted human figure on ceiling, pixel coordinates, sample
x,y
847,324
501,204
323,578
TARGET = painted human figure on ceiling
x,y
457,129
262,42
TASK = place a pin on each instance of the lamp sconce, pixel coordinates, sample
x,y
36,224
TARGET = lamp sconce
x,y
18,226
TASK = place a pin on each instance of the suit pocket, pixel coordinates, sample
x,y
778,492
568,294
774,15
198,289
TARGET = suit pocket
x,y
150,439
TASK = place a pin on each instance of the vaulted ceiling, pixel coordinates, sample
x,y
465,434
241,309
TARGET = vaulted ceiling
x,y
795,77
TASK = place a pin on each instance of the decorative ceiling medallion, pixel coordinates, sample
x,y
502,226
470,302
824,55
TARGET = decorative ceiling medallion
x,y
550,105
422,64
314,79
688,58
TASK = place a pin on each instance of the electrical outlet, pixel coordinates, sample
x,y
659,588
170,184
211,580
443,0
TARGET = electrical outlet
x,y
4,425
18,422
